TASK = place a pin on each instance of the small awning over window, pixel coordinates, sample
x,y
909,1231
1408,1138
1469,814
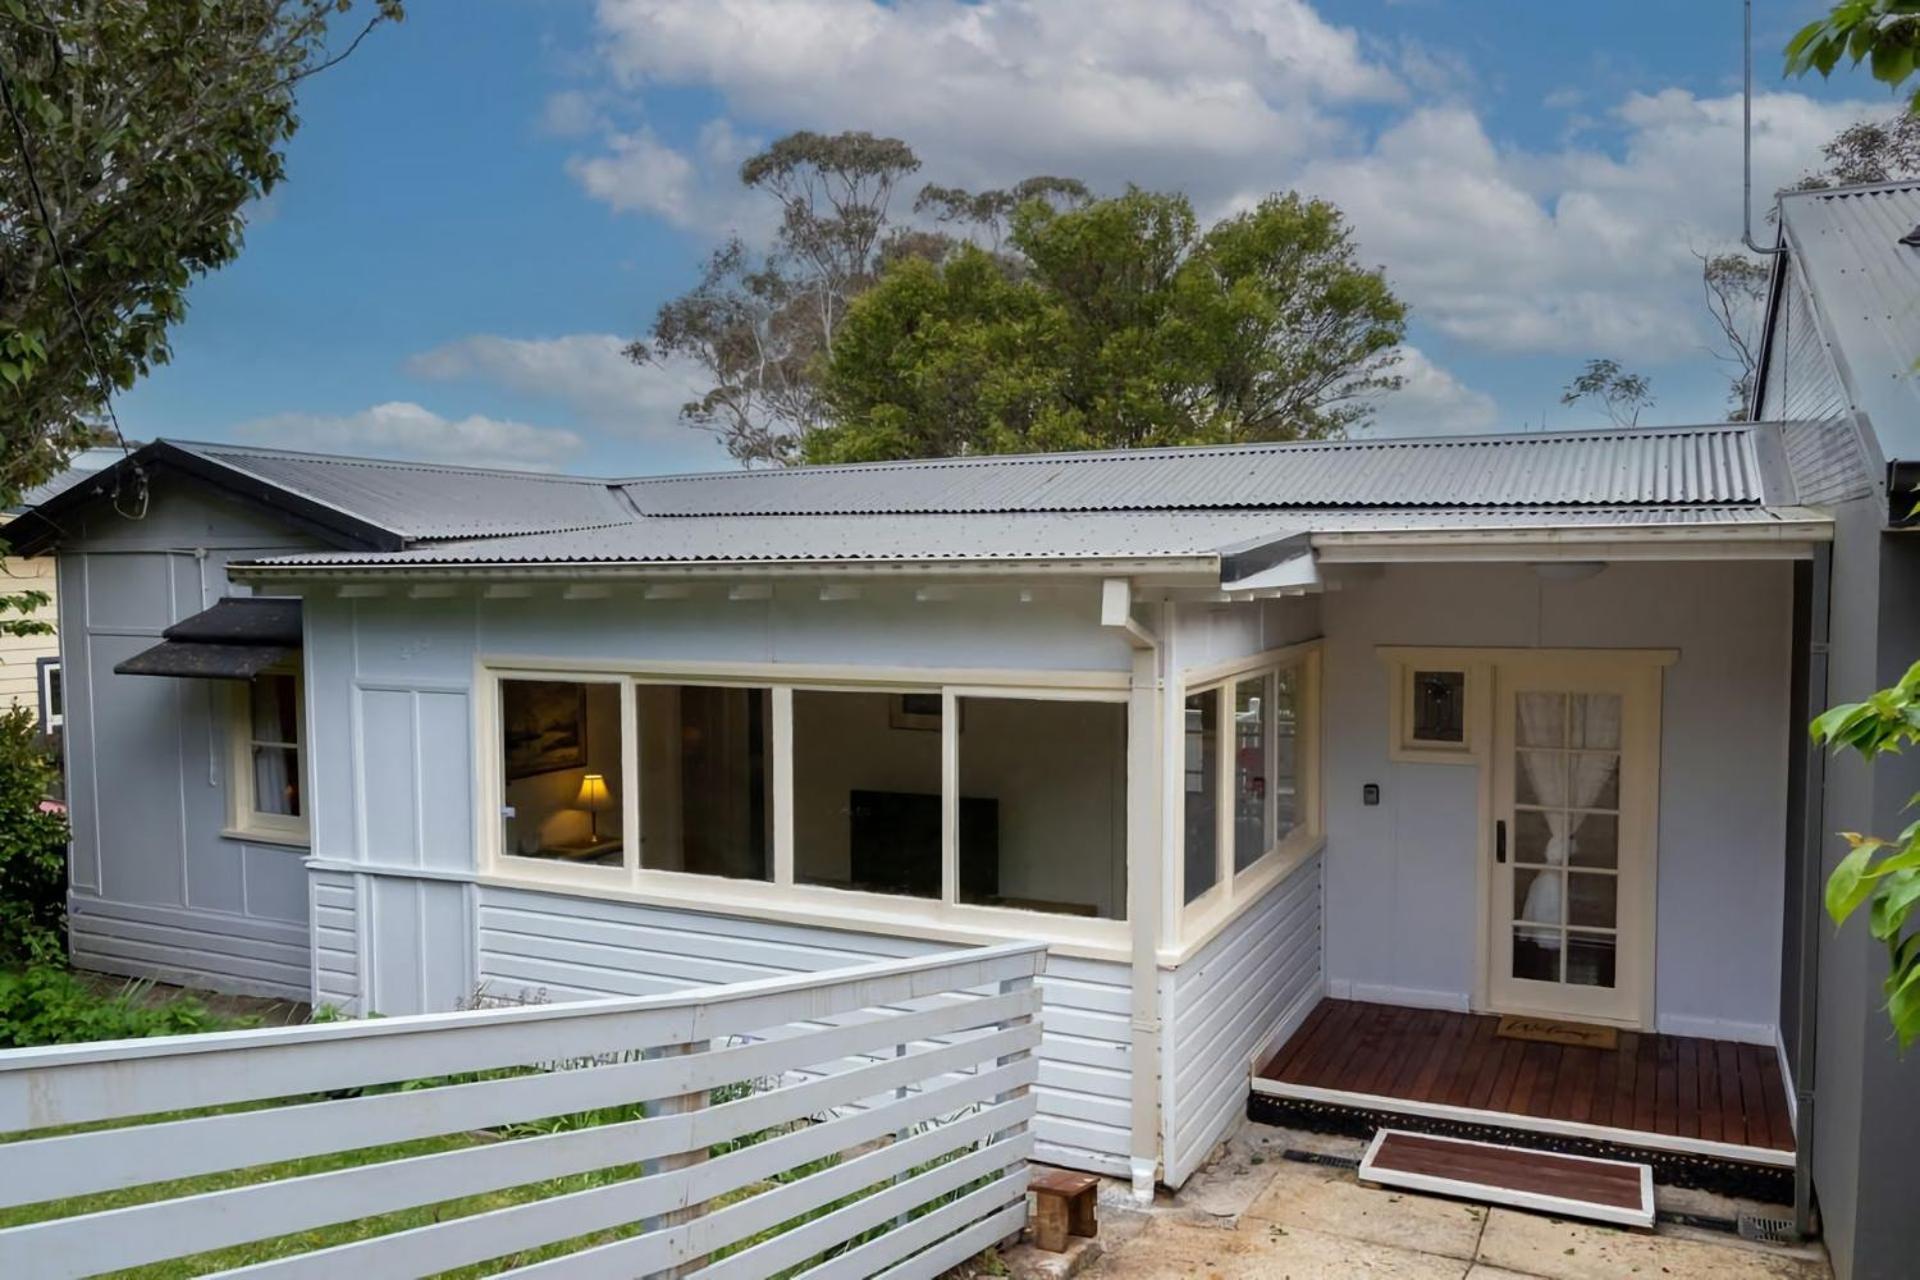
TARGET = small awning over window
x,y
237,639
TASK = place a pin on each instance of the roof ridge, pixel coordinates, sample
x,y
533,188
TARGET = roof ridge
x,y
1187,451
205,447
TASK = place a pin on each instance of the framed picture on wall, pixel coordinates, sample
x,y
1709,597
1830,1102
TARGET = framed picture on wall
x,y
543,724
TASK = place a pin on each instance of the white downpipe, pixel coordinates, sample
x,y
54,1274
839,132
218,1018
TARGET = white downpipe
x,y
1143,877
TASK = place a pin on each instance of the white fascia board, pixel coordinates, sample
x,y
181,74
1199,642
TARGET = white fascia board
x,y
1775,540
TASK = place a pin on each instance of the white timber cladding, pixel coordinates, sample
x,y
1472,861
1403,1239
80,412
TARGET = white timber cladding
x,y
891,1094
1229,1006
551,945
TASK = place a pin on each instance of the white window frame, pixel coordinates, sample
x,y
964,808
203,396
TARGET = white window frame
x,y
245,821
44,672
1232,892
1402,746
782,897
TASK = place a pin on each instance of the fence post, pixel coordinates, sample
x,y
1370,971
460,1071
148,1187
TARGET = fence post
x,y
1007,987
678,1104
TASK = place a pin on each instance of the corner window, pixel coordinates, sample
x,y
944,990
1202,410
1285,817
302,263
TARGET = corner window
x,y
1249,773
269,773
561,771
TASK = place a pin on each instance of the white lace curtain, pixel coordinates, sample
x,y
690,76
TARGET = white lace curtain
x,y
1561,781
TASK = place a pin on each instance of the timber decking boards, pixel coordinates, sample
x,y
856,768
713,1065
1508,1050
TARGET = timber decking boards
x,y
1677,1087
1616,1191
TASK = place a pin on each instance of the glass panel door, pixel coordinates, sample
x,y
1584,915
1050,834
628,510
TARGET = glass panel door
x,y
1564,934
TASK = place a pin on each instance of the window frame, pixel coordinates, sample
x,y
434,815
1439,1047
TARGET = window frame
x,y
45,671
783,897
1402,746
1234,890
245,820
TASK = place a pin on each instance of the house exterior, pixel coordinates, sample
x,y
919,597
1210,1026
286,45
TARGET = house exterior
x,y
30,665
1252,737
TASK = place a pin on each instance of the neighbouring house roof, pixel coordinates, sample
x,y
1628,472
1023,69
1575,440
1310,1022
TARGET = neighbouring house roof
x,y
236,639
1151,504
1852,246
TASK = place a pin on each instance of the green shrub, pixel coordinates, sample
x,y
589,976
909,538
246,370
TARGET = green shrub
x,y
33,848
48,1004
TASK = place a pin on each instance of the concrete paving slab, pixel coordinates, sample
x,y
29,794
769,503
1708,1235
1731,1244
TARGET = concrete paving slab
x,y
1331,1201
1559,1250
1265,1251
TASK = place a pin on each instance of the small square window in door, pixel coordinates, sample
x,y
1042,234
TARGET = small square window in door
x,y
1439,706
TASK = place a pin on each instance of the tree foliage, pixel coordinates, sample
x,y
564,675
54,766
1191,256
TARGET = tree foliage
x,y
1882,874
33,847
1883,34
1622,394
1736,285
1116,323
147,128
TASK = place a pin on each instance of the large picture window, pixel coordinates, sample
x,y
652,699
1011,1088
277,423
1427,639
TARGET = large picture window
x,y
941,800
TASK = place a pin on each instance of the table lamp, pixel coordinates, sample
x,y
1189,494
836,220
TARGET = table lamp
x,y
593,798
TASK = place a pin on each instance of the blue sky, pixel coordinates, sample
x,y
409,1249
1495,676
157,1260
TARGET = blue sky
x,y
484,202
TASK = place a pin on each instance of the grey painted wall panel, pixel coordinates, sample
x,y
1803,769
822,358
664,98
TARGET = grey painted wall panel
x,y
1247,989
335,906
1802,380
1401,876
1209,633
157,890
552,946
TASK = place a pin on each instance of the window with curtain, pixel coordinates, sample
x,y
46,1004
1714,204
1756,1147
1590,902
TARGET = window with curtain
x,y
269,776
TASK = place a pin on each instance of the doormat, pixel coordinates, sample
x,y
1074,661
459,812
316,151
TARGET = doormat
x,y
1578,1035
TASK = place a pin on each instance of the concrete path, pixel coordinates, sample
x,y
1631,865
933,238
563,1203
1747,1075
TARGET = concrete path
x,y
1311,1222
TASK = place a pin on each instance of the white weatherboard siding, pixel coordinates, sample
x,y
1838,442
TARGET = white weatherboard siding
x,y
335,913
552,946
1401,875
155,888
20,655
1246,991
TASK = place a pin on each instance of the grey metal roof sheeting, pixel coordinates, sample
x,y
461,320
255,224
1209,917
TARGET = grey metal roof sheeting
x,y
424,500
946,536
1710,464
1866,291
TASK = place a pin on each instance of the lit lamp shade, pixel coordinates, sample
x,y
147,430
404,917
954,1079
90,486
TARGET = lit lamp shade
x,y
594,799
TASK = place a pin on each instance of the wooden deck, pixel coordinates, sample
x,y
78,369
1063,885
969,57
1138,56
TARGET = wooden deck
x,y
1712,1097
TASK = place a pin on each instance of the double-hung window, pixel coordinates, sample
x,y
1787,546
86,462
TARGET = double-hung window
x,y
268,798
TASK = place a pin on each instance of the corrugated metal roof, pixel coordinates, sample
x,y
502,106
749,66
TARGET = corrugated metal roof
x,y
1866,291
422,500
1682,465
945,536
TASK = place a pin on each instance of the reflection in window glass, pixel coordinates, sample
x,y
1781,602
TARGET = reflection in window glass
x,y
1202,793
866,793
1252,769
273,744
1286,769
1043,805
706,800
560,770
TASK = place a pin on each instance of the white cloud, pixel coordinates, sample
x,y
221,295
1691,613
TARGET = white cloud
x,y
571,113
402,429
588,372
637,173
1430,401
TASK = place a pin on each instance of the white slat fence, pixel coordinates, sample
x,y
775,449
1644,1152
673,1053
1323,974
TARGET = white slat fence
x,y
869,1121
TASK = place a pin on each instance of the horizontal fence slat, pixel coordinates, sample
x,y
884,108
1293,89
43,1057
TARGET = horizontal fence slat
x,y
658,1250
75,1164
166,1229
956,1249
1007,1191
813,1238
77,1084
481,1237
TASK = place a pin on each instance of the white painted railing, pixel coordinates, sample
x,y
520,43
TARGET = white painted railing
x,y
868,1121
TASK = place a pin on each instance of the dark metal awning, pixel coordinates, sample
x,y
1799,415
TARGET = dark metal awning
x,y
237,639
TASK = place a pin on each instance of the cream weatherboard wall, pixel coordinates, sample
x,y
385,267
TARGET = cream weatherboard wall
x,y
20,655
1402,876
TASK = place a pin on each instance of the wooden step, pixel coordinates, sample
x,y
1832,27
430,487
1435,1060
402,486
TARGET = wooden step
x,y
1616,1191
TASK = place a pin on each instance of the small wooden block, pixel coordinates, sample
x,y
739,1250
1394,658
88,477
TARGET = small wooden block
x,y
1064,1205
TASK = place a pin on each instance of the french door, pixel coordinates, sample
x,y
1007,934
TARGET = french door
x,y
1575,781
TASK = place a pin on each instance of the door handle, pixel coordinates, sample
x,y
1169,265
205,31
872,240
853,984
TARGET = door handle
x,y
1500,840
